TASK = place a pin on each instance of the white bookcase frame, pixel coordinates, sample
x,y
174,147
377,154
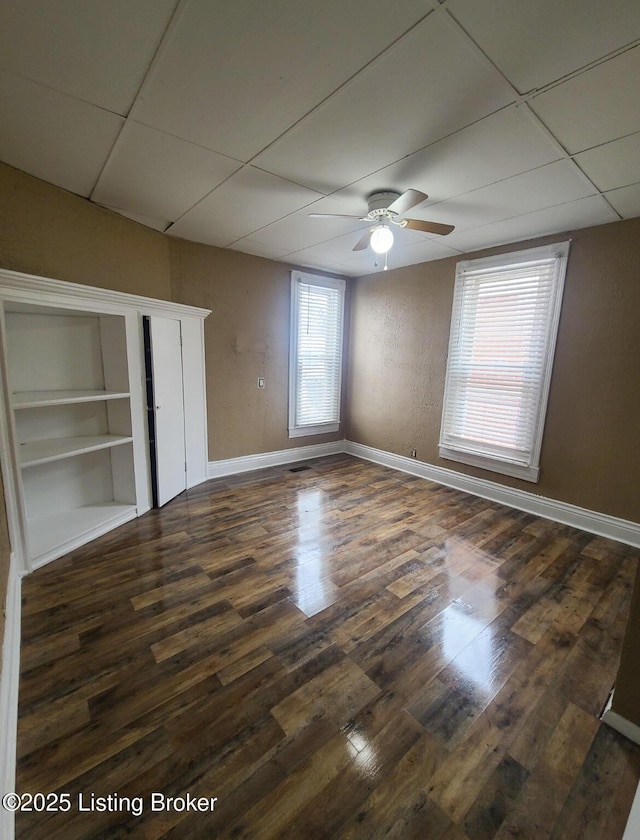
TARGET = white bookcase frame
x,y
84,431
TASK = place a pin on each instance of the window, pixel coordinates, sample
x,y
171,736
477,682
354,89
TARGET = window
x,y
503,333
315,367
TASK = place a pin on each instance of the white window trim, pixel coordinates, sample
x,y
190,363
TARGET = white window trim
x,y
499,464
298,277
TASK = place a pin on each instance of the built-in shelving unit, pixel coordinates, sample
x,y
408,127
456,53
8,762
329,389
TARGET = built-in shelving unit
x,y
70,401
74,442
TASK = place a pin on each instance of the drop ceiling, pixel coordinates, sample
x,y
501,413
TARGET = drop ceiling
x,y
228,123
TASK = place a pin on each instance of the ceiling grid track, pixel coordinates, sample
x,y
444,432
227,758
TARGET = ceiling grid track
x,y
523,99
166,37
231,124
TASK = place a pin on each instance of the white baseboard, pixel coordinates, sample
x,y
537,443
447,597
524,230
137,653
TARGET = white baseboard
x,y
611,527
9,682
247,463
622,725
619,723
591,521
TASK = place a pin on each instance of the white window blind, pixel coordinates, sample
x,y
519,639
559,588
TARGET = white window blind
x,y
315,375
503,333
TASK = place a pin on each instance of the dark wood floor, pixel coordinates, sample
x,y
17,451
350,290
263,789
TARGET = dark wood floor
x,y
339,652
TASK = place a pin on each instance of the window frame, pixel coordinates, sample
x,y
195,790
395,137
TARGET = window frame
x,y
338,284
529,471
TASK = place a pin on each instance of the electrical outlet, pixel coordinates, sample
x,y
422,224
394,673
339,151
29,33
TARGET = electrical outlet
x,y
414,454
261,382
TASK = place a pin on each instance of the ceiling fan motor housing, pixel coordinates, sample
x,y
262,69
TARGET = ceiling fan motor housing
x,y
378,203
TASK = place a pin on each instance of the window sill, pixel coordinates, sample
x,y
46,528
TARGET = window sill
x,y
493,464
320,429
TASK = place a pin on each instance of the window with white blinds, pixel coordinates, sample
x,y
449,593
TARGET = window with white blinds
x,y
315,368
503,333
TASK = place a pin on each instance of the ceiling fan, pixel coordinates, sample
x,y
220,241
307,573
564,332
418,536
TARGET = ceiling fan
x,y
386,209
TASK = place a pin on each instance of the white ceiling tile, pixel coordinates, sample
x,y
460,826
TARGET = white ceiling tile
x,y
53,136
147,221
626,201
556,183
585,212
422,249
425,251
499,146
234,76
599,105
323,261
259,249
429,84
244,203
365,262
153,173
536,43
613,165
320,264
340,249
359,97
323,265
360,270
98,52
335,251
299,231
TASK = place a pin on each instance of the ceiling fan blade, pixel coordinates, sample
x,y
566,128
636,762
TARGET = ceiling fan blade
x,y
406,201
363,242
332,216
427,227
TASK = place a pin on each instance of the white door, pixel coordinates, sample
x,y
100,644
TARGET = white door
x,y
166,364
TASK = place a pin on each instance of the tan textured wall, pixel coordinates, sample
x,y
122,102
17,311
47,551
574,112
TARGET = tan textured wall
x,y
49,232
400,323
246,336
590,454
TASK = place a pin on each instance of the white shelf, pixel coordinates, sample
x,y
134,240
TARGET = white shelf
x,y
54,449
56,531
37,399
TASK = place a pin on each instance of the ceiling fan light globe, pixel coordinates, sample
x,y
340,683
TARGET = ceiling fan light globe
x,y
381,239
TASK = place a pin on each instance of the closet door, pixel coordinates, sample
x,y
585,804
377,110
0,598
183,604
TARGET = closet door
x,y
166,363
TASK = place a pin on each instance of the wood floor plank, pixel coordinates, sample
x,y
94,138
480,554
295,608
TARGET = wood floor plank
x,y
605,768
341,652
399,806
339,692
111,775
496,800
269,817
546,790
57,719
369,765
